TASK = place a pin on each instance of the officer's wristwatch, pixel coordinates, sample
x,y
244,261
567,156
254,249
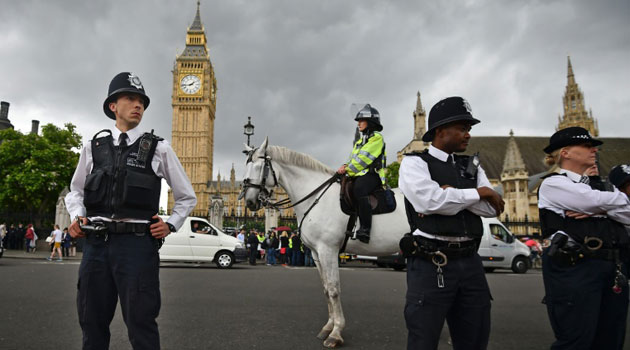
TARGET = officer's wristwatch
x,y
171,227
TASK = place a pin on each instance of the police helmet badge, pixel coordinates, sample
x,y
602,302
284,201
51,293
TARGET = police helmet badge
x,y
135,81
625,168
467,106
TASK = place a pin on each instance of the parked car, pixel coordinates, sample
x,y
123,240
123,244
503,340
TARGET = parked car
x,y
499,248
199,241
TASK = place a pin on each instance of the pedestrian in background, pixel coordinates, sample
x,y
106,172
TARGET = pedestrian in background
x,y
284,247
73,245
584,273
308,257
21,232
56,243
65,242
29,236
12,237
3,234
296,250
272,246
241,235
252,245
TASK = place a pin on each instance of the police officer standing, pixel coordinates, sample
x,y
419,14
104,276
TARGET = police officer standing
x,y
445,195
366,166
116,188
584,269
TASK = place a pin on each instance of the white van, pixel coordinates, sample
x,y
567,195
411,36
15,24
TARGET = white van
x,y
500,249
199,241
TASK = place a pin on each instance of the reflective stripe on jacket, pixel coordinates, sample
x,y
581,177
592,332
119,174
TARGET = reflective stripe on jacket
x,y
364,154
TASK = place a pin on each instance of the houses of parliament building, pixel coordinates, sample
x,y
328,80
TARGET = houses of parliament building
x,y
512,163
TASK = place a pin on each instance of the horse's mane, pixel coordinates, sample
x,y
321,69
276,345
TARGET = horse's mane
x,y
287,156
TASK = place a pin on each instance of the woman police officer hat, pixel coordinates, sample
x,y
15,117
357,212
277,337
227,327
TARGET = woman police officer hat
x,y
124,82
574,135
448,110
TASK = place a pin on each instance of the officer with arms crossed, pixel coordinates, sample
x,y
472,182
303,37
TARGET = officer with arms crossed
x,y
116,188
586,289
445,195
366,166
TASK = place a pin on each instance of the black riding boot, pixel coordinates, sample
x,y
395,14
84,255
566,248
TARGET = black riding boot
x,y
365,219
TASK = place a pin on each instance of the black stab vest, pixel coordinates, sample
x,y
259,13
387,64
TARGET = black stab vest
x,y
122,183
611,232
462,224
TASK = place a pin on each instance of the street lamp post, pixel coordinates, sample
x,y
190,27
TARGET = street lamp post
x,y
248,129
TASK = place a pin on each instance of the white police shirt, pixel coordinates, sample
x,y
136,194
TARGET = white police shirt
x,y
427,197
561,193
165,164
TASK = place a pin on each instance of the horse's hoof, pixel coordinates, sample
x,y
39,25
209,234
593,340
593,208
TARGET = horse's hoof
x,y
323,334
332,342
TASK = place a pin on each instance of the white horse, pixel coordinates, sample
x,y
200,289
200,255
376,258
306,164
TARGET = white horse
x,y
323,229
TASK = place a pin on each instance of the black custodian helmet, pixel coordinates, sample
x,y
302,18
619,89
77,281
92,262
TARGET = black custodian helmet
x,y
448,110
372,116
124,82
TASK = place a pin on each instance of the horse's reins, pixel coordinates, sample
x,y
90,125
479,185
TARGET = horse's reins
x,y
264,194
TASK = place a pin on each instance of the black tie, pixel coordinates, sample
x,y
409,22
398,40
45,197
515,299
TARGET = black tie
x,y
123,140
449,160
585,180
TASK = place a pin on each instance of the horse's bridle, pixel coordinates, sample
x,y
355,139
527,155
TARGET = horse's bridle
x,y
264,195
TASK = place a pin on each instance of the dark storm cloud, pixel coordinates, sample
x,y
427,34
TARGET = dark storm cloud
x,y
296,66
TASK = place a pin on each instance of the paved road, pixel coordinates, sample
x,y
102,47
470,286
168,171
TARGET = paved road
x,y
256,307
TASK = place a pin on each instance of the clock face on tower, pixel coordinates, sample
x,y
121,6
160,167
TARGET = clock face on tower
x,y
190,84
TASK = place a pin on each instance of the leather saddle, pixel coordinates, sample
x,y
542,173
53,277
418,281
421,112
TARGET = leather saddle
x,y
382,200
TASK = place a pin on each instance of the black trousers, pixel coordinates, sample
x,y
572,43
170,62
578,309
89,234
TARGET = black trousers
x,y
124,266
366,184
583,310
464,303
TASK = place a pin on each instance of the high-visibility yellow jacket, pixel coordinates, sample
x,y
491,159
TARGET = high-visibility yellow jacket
x,y
366,154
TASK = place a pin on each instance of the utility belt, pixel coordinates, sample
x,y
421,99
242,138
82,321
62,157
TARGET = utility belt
x,y
433,249
568,253
103,229
437,252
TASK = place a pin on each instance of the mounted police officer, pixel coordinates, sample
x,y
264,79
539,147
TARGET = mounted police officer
x,y
584,268
116,188
366,166
445,195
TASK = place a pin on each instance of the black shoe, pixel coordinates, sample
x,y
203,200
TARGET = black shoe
x,y
363,235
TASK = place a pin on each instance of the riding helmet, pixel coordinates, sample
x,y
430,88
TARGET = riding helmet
x,y
371,115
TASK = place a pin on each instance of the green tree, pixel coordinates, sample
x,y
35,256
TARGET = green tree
x,y
35,168
391,174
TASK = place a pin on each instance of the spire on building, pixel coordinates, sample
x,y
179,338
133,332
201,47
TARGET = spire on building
x,y
196,38
232,177
196,25
575,113
570,76
513,160
419,119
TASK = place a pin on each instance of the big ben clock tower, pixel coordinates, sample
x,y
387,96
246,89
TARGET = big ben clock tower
x,y
194,106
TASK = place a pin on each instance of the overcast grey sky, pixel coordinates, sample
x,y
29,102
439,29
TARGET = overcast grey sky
x,y
296,66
